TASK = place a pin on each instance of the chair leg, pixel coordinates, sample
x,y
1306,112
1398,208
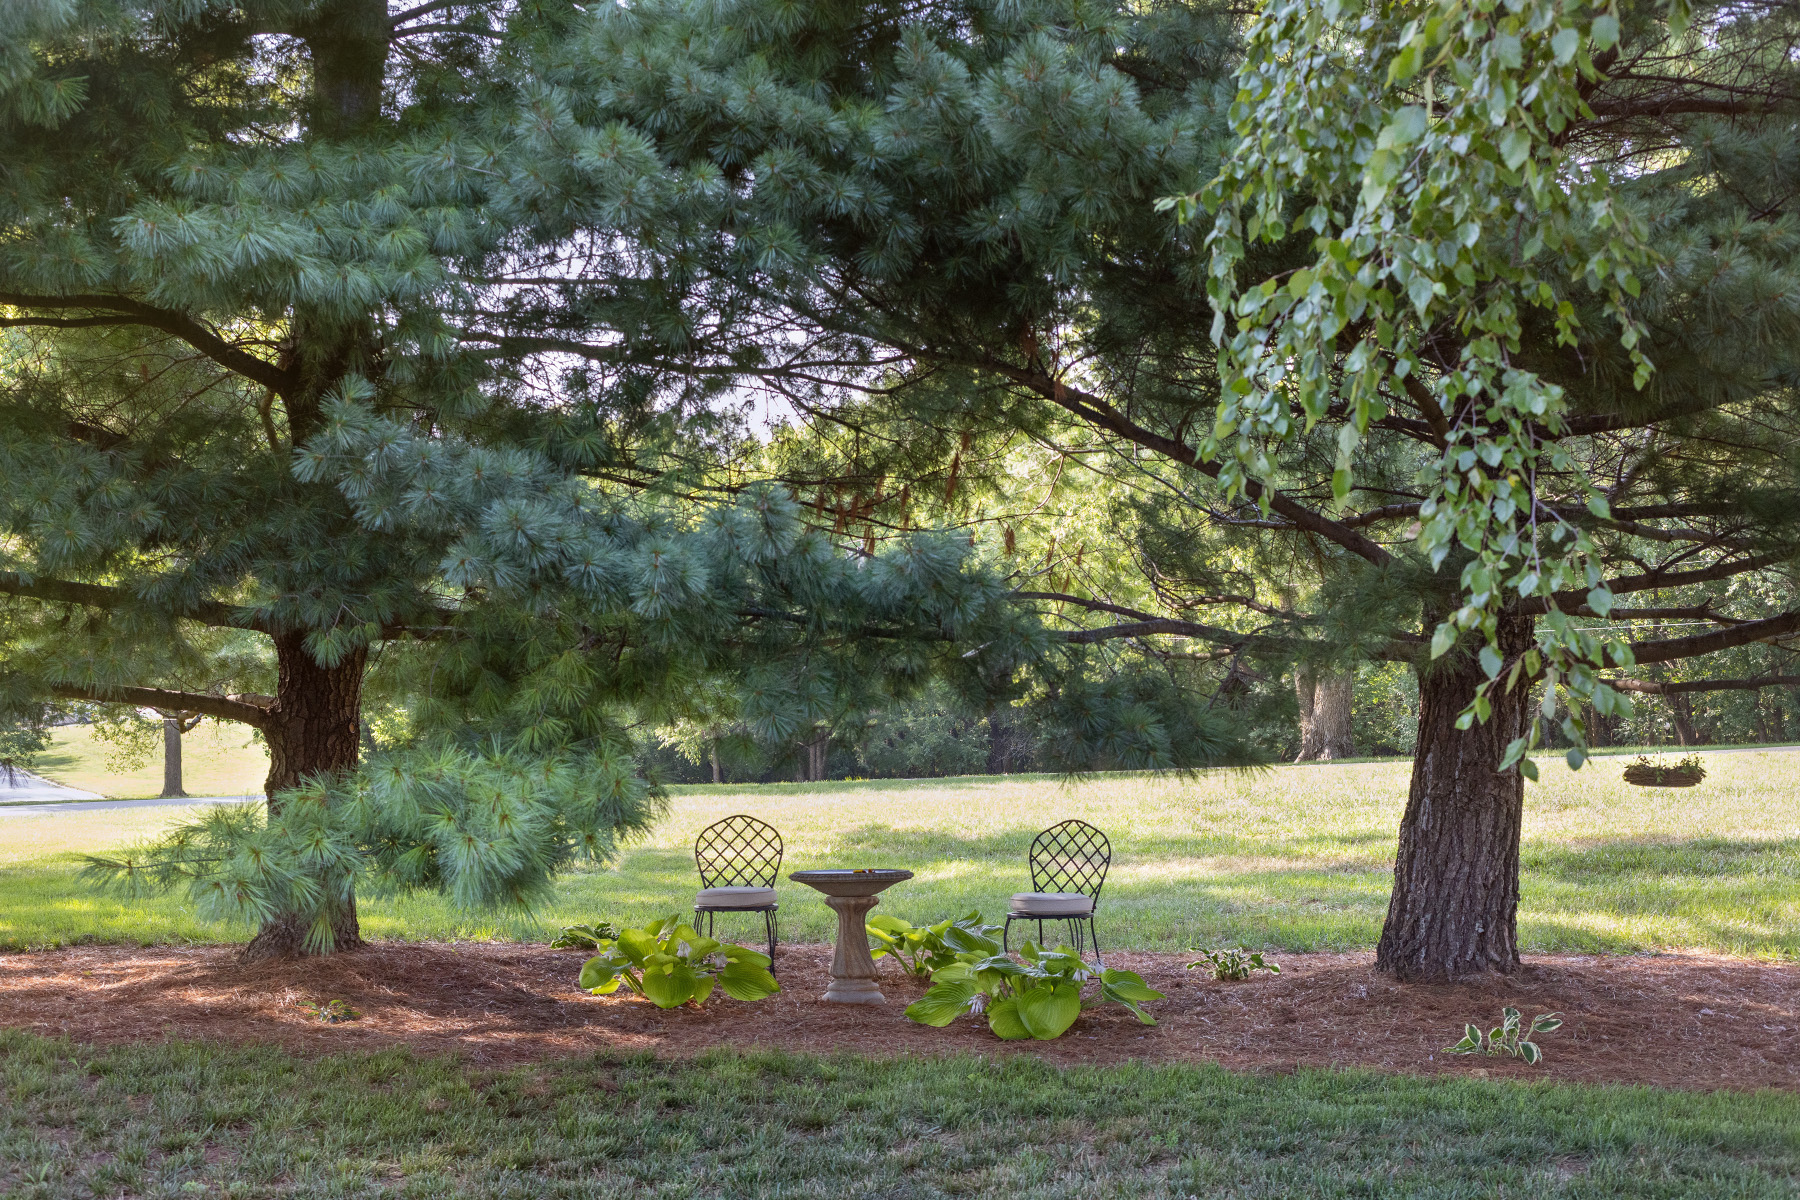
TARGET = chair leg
x,y
1005,934
769,921
1094,936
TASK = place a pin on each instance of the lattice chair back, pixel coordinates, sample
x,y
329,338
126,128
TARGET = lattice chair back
x,y
739,851
1071,856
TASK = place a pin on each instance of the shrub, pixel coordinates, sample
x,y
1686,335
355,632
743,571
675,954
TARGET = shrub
x,y
585,937
669,963
1232,964
1039,997
924,949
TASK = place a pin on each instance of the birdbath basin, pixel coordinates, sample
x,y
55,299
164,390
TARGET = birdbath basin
x,y
852,894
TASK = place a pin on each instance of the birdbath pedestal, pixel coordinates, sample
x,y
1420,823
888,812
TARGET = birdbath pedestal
x,y
852,893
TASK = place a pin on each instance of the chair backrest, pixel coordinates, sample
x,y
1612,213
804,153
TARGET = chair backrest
x,y
739,851
1071,856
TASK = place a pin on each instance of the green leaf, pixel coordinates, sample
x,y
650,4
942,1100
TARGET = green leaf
x,y
599,976
1605,32
1443,639
1515,147
1564,45
1529,1052
1003,1019
669,984
747,981
1048,1009
943,1003
1129,985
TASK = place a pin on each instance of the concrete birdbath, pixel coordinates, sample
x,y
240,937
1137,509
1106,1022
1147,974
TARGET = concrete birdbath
x,y
852,894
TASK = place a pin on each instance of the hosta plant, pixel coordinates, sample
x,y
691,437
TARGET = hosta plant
x,y
669,963
1037,997
922,949
1233,963
1508,1037
585,937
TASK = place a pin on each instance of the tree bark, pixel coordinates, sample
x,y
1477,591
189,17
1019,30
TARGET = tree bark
x,y
1454,908
1681,707
712,753
172,759
1325,710
313,732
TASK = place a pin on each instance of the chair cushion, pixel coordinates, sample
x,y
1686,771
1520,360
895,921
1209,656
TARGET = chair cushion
x,y
1051,904
735,897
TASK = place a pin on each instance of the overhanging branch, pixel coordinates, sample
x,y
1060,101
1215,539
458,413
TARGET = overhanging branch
x,y
90,595
224,708
1671,649
1652,688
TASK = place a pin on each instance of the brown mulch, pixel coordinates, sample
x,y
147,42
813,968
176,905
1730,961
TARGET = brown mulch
x,y
1680,1020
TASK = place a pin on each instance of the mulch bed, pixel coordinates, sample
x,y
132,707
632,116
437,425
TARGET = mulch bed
x,y
1680,1020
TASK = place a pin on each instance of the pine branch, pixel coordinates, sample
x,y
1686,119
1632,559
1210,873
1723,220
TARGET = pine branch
x,y
122,310
1098,412
1670,649
62,591
1650,581
225,708
1651,688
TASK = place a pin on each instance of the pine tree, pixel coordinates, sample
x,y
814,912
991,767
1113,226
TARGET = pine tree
x,y
343,374
1483,433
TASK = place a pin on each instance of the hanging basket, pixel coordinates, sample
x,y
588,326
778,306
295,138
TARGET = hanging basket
x,y
1685,773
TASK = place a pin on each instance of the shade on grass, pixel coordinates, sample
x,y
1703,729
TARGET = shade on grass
x,y
175,1120
1295,858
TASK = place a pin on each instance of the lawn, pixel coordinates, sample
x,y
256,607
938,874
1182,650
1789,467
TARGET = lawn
x,y
216,760
174,1120
1293,858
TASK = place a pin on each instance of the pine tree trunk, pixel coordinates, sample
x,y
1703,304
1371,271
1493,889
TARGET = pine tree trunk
x,y
712,753
1306,694
1681,707
1000,741
312,730
1454,908
1332,698
172,759
1325,707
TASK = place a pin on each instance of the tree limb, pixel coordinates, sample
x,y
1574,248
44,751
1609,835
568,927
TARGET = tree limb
x,y
1670,649
125,311
223,707
90,595
1652,688
1650,581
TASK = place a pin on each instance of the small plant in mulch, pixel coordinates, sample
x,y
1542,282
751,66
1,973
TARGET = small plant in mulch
x,y
920,950
1233,963
332,1012
1037,997
585,937
1648,772
1509,1037
668,963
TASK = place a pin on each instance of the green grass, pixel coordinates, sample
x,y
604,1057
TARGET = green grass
x,y
1294,858
216,760
178,1120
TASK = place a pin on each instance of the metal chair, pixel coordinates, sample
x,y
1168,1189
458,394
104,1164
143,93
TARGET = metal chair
x,y
739,859
1068,869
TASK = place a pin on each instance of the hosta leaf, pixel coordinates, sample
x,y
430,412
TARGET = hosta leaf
x,y
747,981
600,976
1529,1052
943,1003
1003,1019
669,984
1048,1009
1128,985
